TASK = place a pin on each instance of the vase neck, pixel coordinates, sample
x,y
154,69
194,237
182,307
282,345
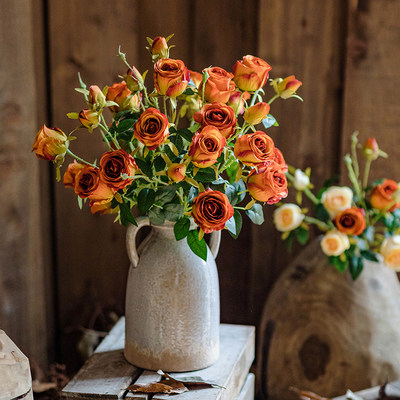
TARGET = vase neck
x,y
166,230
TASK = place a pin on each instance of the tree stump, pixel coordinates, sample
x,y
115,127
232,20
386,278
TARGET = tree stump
x,y
323,332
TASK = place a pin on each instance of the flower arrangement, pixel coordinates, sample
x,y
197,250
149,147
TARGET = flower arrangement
x,y
358,222
187,150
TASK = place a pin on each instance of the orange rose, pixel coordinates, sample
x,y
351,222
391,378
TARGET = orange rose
x,y
196,78
251,73
96,97
89,119
151,128
176,172
255,114
115,163
278,158
102,207
254,148
351,221
118,93
50,143
89,185
171,77
70,173
382,196
159,47
219,85
287,87
268,184
206,147
219,115
211,209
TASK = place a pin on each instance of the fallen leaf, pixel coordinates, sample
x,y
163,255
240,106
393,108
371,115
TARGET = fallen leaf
x,y
191,381
155,387
305,395
178,387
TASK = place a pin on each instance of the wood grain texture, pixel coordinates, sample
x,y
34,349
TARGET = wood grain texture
x,y
22,308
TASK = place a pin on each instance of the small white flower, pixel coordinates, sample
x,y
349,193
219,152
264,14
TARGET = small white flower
x,y
288,217
336,199
334,243
301,180
390,251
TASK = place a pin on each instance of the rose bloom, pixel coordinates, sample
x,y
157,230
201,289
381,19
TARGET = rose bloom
x,y
171,77
254,148
336,199
70,173
96,97
151,128
279,159
118,93
390,251
114,163
50,143
237,101
334,243
301,180
251,73
196,78
351,221
176,172
219,85
219,115
211,209
206,147
288,217
89,185
102,207
159,47
383,196
287,87
89,119
255,114
268,184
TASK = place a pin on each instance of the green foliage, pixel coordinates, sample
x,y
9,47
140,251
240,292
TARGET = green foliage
x,y
235,192
145,199
126,215
256,214
356,266
234,224
181,228
199,247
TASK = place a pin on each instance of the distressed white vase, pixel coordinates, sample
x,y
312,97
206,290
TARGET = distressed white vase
x,y
172,302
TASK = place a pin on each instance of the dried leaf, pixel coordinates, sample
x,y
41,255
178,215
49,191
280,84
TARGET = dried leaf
x,y
155,387
178,387
305,395
190,381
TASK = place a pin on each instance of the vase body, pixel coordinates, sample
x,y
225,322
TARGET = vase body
x,y
172,303
323,332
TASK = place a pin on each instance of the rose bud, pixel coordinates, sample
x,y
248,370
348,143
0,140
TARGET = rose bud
x,y
301,180
50,143
133,102
254,148
134,80
102,207
219,115
237,101
287,87
171,77
278,159
196,78
336,199
89,185
211,209
115,163
159,47
255,114
288,217
334,243
351,221
219,85
89,119
96,97
267,184
70,173
383,196
251,73
390,251
118,93
206,147
151,128
371,150
176,172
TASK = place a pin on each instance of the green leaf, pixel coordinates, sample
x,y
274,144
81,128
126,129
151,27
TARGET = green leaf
x,y
178,142
181,228
126,215
269,121
186,134
205,175
165,194
232,192
145,167
369,255
356,266
321,213
289,241
159,163
234,224
199,247
369,233
231,172
340,265
256,214
193,192
156,216
80,202
188,92
125,124
302,235
145,199
173,211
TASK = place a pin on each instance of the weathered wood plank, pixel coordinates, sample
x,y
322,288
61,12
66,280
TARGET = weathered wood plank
x,y
115,340
247,392
392,389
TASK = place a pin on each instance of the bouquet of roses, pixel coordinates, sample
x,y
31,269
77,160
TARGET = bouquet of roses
x,y
358,223
188,150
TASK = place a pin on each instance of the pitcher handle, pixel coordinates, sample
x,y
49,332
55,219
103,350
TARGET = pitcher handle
x,y
215,240
131,239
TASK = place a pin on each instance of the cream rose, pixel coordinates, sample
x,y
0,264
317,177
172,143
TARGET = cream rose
x,y
288,217
334,243
336,199
301,180
390,251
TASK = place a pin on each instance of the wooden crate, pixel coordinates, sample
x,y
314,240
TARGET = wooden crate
x,y
107,374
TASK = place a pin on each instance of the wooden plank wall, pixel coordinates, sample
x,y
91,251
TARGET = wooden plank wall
x,y
344,51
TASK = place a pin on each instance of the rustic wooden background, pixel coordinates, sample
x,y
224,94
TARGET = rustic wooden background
x,y
61,268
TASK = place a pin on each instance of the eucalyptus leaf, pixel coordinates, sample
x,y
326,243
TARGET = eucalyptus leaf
x,y
234,224
269,121
232,192
156,216
165,194
256,214
173,211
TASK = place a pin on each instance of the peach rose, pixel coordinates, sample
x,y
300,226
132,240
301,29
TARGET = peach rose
x,y
50,143
113,164
176,172
219,85
279,159
206,146
336,199
118,93
254,148
390,251
351,221
211,209
334,243
288,217
255,114
251,73
171,77
268,184
89,185
151,128
89,119
237,101
70,173
287,87
96,97
219,115
159,47
383,196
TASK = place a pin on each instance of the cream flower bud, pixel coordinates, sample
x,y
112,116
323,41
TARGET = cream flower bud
x,y
301,180
288,217
334,243
390,251
336,199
